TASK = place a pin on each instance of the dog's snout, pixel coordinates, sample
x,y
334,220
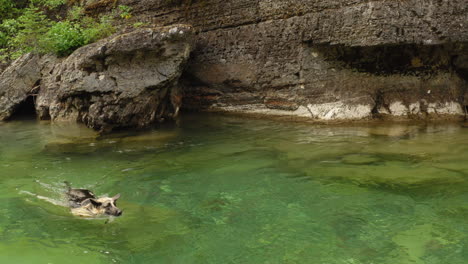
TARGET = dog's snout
x,y
119,213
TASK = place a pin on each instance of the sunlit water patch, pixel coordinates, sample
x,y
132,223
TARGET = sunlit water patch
x,y
218,189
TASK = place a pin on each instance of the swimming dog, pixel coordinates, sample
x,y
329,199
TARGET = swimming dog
x,y
85,204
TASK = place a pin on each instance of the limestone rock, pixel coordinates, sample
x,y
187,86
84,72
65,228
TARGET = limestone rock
x,y
126,80
340,59
17,83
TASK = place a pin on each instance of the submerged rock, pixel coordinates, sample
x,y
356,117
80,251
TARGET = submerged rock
x,y
127,80
70,137
81,140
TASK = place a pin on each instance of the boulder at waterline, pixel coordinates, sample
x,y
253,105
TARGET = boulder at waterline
x,y
129,79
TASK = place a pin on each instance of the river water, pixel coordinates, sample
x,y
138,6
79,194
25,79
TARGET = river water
x,y
218,189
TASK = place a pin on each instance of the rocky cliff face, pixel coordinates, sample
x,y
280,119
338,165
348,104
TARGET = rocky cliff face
x,y
323,59
22,75
318,59
127,80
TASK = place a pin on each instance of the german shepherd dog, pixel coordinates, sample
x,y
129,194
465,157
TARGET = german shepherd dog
x,y
85,204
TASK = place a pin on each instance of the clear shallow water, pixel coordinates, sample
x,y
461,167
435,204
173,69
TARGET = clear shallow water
x,y
227,190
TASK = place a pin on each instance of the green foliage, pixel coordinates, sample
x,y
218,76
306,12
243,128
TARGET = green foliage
x,y
6,8
32,26
63,38
3,39
20,34
9,26
125,11
8,29
76,13
29,29
66,36
95,30
3,55
48,3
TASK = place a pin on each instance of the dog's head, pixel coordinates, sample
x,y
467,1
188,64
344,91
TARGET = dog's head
x,y
110,205
100,206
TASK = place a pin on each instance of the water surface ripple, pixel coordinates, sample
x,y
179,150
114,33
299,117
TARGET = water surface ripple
x,y
218,189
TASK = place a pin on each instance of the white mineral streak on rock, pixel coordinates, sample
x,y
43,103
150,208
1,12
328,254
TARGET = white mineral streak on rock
x,y
414,108
327,111
398,109
173,30
339,110
448,108
302,111
342,111
383,110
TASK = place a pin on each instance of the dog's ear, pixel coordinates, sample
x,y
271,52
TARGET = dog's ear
x,y
91,201
116,197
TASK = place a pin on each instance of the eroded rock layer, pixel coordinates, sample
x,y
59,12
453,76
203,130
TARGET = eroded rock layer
x,y
323,59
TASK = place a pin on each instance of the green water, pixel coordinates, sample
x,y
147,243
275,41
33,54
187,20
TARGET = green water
x,y
228,190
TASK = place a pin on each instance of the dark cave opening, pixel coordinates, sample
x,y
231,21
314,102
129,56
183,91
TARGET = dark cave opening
x,y
25,110
393,59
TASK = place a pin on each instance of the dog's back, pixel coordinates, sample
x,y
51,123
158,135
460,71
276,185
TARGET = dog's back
x,y
77,196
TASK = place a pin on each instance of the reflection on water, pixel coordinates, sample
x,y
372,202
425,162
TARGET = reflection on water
x,y
226,190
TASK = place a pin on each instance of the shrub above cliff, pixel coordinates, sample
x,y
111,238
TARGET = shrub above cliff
x,y
39,26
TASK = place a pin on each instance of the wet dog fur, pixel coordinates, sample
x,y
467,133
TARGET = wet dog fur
x,y
85,204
